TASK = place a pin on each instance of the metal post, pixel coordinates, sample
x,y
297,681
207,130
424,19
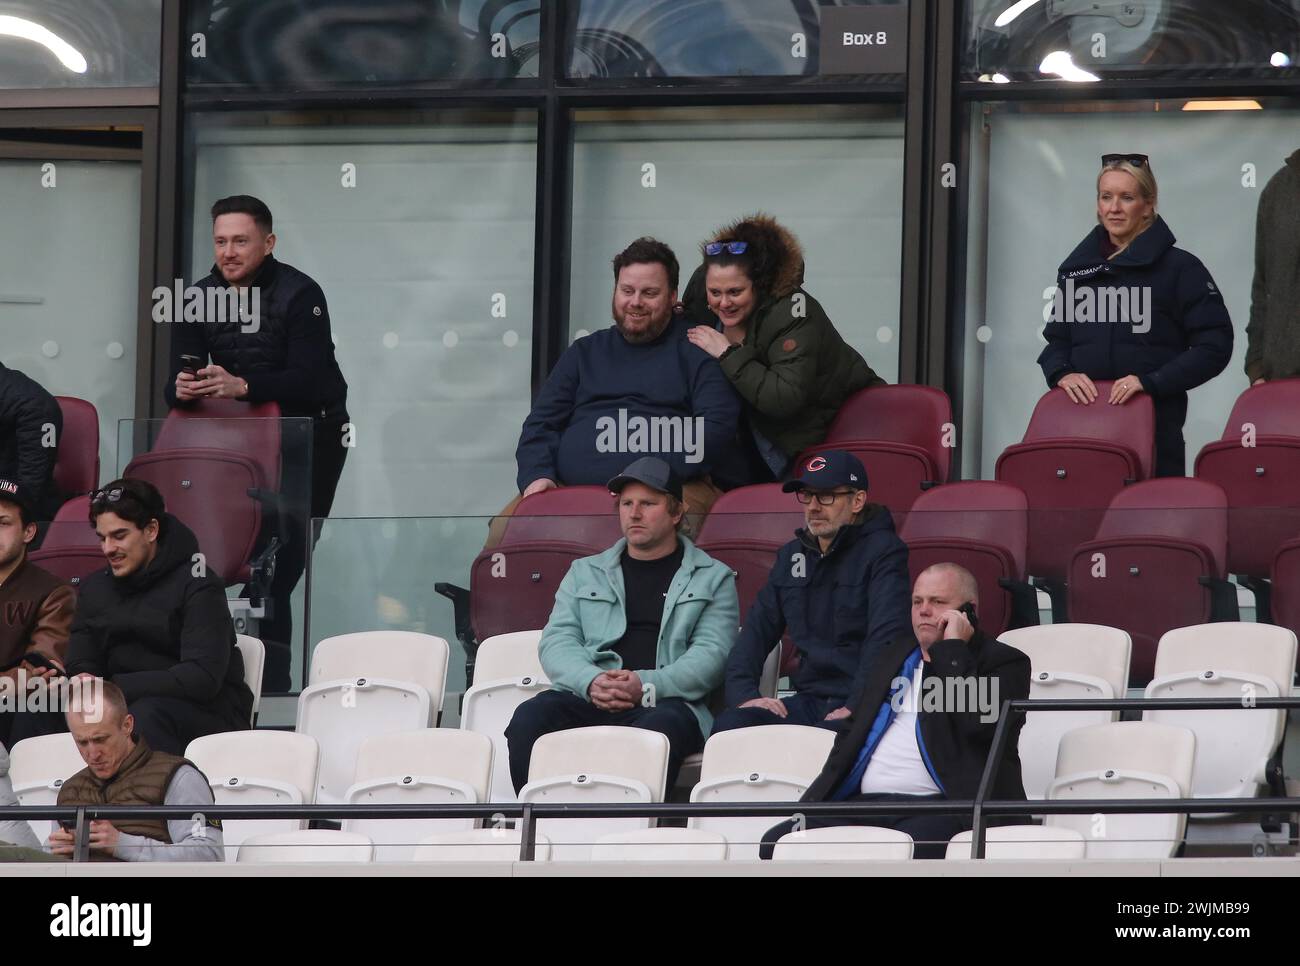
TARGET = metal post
x,y
986,781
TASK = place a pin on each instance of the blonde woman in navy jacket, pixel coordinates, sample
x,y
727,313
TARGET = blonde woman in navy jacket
x,y
1131,307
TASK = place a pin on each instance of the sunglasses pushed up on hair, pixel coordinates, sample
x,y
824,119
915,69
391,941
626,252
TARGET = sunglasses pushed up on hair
x,y
734,247
1137,160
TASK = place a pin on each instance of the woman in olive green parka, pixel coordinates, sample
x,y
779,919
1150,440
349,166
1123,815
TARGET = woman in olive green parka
x,y
773,340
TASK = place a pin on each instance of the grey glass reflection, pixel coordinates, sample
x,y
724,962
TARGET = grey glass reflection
x,y
699,38
1019,40
79,43
318,43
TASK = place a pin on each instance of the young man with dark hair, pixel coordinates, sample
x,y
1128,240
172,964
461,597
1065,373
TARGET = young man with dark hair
x,y
636,388
282,353
36,611
155,623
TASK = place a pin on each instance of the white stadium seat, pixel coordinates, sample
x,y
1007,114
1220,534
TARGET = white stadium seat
x,y
307,845
1124,759
601,764
1068,661
1020,842
767,763
507,673
253,652
660,845
38,767
431,766
479,845
257,768
844,843
1226,660
370,683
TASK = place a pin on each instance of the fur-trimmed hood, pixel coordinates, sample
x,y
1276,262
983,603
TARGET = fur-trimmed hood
x,y
778,256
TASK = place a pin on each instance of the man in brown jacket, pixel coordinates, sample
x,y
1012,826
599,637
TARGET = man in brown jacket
x,y
36,611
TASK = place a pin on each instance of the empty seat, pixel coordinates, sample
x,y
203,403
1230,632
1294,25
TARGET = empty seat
x,y
1257,463
1072,461
1286,586
253,652
1124,759
594,765
768,763
660,845
981,526
1241,661
899,433
38,767
1157,562
479,845
431,766
257,768
844,843
1067,661
1021,842
507,672
370,683
744,529
307,845
76,465
71,549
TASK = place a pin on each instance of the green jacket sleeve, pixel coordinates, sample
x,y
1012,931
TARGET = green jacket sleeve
x,y
698,672
779,378
562,650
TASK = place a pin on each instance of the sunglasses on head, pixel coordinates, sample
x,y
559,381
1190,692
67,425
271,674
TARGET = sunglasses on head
x,y
107,496
734,247
1137,160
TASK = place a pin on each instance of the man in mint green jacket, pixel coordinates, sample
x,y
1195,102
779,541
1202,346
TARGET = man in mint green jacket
x,y
640,633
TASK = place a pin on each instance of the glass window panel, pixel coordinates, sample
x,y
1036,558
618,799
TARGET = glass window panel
x,y
274,44
1033,199
832,175
733,38
75,340
1025,40
79,43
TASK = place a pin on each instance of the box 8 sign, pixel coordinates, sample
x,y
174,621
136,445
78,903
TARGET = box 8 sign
x,y
864,40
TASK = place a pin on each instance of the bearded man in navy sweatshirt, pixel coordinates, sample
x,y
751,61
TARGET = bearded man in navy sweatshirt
x,y
638,388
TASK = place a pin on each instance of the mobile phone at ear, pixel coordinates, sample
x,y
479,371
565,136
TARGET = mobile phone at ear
x,y
969,610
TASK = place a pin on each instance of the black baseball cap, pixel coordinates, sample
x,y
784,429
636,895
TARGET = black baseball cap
x,y
653,472
827,470
16,493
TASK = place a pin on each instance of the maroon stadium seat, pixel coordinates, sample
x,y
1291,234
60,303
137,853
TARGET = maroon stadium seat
x,y
1286,583
1158,562
217,466
898,433
76,468
513,586
981,526
1257,462
70,549
1072,462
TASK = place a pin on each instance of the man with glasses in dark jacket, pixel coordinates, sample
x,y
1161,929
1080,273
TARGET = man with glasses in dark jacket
x,y
839,588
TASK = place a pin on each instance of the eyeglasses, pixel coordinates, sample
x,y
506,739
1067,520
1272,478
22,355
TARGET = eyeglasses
x,y
1137,160
823,497
107,496
734,247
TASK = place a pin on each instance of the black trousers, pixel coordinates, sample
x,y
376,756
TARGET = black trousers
x,y
328,456
930,833
1171,450
560,710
